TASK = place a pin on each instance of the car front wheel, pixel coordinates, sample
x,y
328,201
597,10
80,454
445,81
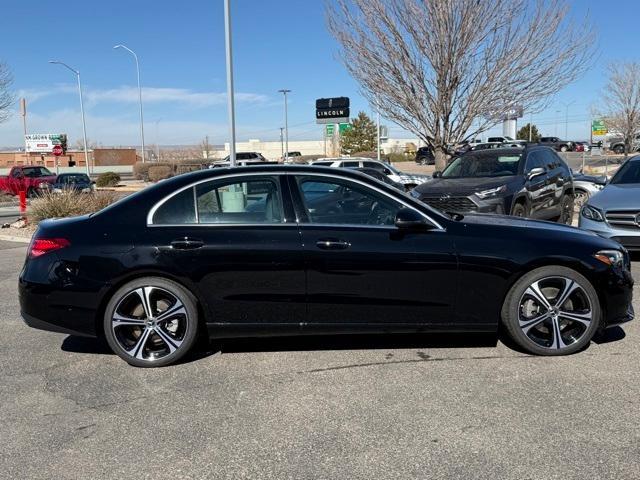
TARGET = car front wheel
x,y
566,210
552,311
151,322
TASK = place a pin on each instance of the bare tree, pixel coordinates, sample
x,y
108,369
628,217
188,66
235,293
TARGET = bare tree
x,y
622,97
448,70
7,98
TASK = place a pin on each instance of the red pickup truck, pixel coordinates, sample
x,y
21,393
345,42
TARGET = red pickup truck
x,y
27,178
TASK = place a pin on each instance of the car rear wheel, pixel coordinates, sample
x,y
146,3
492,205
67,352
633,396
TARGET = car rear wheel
x,y
151,322
552,311
618,149
519,210
579,199
563,148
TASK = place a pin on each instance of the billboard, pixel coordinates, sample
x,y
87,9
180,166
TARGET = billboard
x,y
332,110
44,142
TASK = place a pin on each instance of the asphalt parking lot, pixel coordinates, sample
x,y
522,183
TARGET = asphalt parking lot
x,y
325,408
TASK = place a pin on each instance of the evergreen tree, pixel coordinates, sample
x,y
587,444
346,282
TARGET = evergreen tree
x,y
361,137
523,133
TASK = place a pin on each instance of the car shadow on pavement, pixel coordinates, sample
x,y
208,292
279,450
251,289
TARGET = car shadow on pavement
x,y
352,342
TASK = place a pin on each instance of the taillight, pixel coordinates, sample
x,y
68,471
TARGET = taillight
x,y
40,246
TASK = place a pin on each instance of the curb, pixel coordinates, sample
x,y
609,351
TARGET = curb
x,y
15,238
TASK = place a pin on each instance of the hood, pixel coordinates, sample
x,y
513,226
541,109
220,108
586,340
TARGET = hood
x,y
463,186
614,197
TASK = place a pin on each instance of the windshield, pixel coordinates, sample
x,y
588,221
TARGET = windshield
x,y
74,178
36,172
487,165
629,173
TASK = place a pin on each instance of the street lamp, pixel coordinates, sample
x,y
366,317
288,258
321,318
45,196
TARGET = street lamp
x,y
230,99
139,93
286,123
84,127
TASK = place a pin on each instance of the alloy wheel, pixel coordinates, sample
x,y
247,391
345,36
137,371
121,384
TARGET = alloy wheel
x,y
149,323
555,312
579,199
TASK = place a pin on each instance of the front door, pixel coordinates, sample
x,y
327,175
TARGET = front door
x,y
361,269
240,246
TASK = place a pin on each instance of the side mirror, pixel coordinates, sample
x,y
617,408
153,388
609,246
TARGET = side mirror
x,y
536,172
437,174
409,219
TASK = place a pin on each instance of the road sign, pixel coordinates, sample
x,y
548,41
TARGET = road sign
x,y
598,128
57,150
330,129
332,110
343,127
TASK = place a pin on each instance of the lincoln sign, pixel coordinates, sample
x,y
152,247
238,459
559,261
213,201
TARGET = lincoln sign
x,y
332,110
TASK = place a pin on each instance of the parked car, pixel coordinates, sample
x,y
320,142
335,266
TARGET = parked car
x,y
242,159
615,211
424,156
288,250
489,146
582,147
617,145
529,182
77,182
30,179
409,180
505,139
379,175
586,186
557,144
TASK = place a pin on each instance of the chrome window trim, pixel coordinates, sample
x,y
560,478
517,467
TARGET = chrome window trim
x,y
283,223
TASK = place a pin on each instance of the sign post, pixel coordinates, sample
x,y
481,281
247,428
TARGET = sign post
x,y
57,151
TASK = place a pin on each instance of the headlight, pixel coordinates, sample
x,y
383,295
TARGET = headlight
x,y
492,192
614,258
43,185
592,213
57,190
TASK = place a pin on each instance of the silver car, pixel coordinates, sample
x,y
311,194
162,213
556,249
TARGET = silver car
x,y
615,211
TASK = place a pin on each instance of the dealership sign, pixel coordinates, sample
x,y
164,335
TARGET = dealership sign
x,y
43,142
332,110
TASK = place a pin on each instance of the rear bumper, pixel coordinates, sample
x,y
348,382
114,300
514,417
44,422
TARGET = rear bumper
x,y
38,324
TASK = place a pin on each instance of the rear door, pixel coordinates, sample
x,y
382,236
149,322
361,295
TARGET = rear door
x,y
236,240
362,272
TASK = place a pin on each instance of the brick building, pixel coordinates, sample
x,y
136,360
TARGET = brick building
x,y
102,157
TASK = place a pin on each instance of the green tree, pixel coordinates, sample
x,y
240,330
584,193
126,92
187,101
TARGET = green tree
x,y
523,133
361,137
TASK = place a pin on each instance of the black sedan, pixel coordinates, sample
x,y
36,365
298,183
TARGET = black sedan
x,y
77,182
289,250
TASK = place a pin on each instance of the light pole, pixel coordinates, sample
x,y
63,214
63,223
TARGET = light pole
x,y
284,91
566,119
230,98
282,143
84,127
157,140
139,94
557,113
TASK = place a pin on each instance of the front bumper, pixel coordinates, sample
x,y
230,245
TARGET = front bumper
x,y
628,237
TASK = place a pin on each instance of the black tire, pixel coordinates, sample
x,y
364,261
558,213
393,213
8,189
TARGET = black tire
x,y
618,149
187,323
519,210
531,343
566,210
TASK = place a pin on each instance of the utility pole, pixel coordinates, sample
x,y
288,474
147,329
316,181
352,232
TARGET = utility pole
x,y
530,125
282,142
566,118
378,133
23,112
284,91
230,98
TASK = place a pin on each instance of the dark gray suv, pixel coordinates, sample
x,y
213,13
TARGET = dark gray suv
x,y
529,182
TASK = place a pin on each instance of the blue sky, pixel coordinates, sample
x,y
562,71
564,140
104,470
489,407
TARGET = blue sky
x,y
278,44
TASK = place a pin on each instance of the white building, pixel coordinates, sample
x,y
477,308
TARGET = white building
x,y
273,150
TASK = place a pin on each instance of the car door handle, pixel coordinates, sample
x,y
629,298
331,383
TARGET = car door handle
x,y
332,244
187,243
